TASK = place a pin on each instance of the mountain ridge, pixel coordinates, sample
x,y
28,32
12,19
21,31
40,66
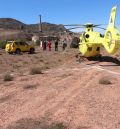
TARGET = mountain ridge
x,y
10,23
11,29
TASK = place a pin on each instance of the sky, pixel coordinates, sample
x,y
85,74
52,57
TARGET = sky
x,y
59,11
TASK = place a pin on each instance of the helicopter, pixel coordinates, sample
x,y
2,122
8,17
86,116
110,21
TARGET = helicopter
x,y
91,41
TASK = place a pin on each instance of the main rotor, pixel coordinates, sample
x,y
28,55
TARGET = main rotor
x,y
88,26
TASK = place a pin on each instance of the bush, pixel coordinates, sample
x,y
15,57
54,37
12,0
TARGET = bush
x,y
57,126
8,77
105,81
34,71
37,43
20,40
3,44
29,86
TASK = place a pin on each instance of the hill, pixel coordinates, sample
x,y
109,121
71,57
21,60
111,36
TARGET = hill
x,y
12,29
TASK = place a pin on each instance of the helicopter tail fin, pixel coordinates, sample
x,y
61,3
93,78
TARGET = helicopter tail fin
x,y
113,17
112,35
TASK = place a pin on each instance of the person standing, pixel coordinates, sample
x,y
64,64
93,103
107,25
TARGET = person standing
x,y
64,44
49,45
41,44
44,45
56,45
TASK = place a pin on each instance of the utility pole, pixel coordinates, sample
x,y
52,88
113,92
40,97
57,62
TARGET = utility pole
x,y
40,26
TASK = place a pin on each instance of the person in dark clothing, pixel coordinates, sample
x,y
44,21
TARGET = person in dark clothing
x,y
44,45
64,44
56,45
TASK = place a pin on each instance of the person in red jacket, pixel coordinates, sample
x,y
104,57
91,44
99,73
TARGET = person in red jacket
x,y
49,45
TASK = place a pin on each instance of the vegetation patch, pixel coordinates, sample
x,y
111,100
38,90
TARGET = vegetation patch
x,y
59,60
3,44
105,81
5,98
24,79
25,62
65,75
16,66
28,123
30,87
41,60
34,71
45,67
37,43
57,126
8,77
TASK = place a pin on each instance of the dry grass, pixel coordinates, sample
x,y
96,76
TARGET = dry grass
x,y
57,126
28,123
29,87
105,81
5,98
65,75
45,67
8,77
24,63
36,70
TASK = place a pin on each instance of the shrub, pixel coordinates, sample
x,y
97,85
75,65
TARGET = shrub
x,y
105,81
37,43
3,44
8,77
34,71
57,126
30,86
20,40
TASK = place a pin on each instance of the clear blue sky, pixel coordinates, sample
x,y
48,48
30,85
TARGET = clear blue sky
x,y
59,11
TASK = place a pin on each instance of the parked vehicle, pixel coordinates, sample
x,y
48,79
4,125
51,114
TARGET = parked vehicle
x,y
18,47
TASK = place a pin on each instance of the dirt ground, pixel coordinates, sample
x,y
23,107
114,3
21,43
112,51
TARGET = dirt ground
x,y
74,95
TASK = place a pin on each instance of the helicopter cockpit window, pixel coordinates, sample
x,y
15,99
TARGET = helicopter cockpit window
x,y
87,36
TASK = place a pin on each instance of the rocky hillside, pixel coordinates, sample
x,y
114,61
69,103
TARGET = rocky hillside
x,y
10,27
9,23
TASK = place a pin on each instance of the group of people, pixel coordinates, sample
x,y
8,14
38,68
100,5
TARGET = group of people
x,y
45,44
48,44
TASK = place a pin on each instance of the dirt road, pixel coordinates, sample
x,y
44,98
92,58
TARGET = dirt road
x,y
70,93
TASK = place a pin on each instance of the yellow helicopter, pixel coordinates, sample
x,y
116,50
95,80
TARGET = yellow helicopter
x,y
91,41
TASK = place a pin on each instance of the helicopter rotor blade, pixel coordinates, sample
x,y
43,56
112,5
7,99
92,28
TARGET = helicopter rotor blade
x,y
74,25
74,28
97,25
85,25
101,28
